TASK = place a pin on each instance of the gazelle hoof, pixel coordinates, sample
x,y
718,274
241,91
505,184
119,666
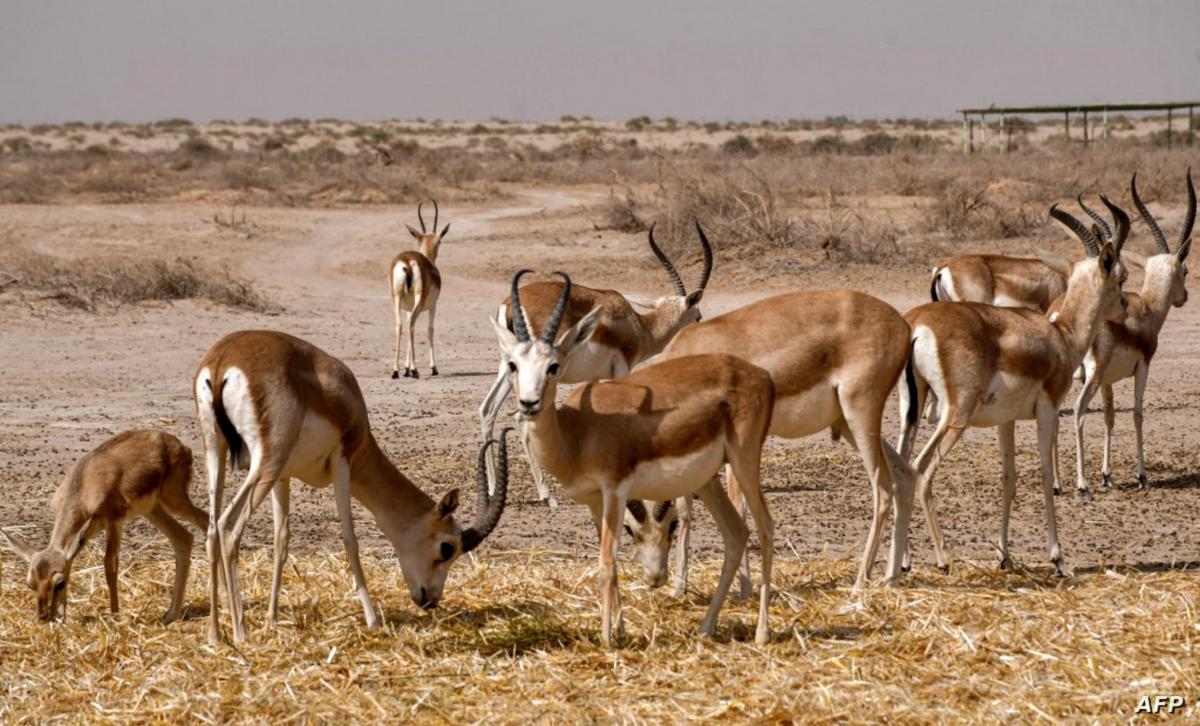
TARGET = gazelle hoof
x,y
1143,483
408,373
434,371
1085,496
1060,569
395,375
945,569
762,636
1006,564
1106,480
1057,490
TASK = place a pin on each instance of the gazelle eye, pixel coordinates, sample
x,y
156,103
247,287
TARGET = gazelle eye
x,y
58,586
674,525
447,551
553,369
512,367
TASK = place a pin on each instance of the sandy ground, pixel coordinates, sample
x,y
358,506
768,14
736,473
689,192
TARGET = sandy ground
x,y
72,379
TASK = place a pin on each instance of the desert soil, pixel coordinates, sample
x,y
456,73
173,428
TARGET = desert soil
x,y
72,379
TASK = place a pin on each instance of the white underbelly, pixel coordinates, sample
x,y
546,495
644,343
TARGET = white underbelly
x,y
1008,398
311,458
676,476
804,414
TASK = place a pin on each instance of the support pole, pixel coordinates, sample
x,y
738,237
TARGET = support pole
x,y
1168,128
1191,125
1067,124
971,135
1006,122
983,131
966,136
1106,123
1086,131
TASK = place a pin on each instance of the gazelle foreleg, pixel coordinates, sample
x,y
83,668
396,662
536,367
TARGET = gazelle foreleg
x,y
610,527
341,492
1091,384
1047,424
1006,434
112,551
746,472
280,509
1140,374
488,411
539,477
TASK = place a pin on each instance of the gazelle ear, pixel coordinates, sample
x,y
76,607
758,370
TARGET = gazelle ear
x,y
578,333
1182,251
448,504
416,235
693,298
508,339
1107,259
444,231
1058,263
18,545
77,545
1134,259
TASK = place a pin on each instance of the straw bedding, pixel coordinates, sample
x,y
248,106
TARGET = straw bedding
x,y
516,642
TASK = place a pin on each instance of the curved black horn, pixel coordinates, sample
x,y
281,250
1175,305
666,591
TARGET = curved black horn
x,y
680,290
1159,240
1079,228
435,215
421,217
556,316
1100,223
520,326
708,256
661,509
1190,218
489,509
1122,221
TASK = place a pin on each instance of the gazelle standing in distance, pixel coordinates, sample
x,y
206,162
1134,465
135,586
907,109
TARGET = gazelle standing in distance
x,y
1122,350
622,336
835,356
133,474
290,410
415,284
991,366
660,433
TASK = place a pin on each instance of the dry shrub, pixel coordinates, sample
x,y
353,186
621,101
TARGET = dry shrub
x,y
91,282
620,213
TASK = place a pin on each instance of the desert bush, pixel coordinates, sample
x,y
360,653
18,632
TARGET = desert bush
x,y
198,146
91,282
620,213
173,123
16,145
638,123
739,145
98,150
827,144
774,143
874,143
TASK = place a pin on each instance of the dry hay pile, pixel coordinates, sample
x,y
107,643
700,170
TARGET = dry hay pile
x,y
516,642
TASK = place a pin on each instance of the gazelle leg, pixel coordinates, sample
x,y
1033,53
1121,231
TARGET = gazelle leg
x,y
1110,420
432,358
1006,435
908,431
938,446
864,434
904,479
112,550
734,533
746,473
745,584
610,527
1140,374
341,491
410,358
399,331
181,543
1091,383
488,411
214,459
539,476
233,524
280,509
684,505
1047,421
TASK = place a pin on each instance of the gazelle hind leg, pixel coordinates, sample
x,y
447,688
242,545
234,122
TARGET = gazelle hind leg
x,y
181,543
233,525
938,446
399,333
861,425
432,358
410,357
684,506
1091,384
1140,375
1006,436
214,457
1047,423
735,535
746,472
280,510
1110,420
112,552
745,584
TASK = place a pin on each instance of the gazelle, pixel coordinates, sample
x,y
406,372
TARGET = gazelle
x,y
835,356
1001,280
622,336
991,366
133,474
290,410
1122,350
661,432
415,284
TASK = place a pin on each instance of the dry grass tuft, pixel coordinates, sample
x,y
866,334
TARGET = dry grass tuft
x,y
91,282
515,642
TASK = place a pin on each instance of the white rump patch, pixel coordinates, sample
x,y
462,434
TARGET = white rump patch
x,y
239,407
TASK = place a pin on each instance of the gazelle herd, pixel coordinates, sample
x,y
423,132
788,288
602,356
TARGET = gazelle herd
x,y
666,402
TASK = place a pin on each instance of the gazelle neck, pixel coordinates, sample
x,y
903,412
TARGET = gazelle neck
x,y
1157,287
554,450
1079,320
393,500
429,248
659,327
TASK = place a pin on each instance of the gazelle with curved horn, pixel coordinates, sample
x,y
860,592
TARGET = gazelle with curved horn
x,y
622,337
991,366
289,410
1124,350
415,284
662,432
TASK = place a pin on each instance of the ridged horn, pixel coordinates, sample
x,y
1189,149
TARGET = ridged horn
x,y
708,256
1121,219
661,509
421,217
520,326
489,509
435,215
560,309
1103,225
1159,240
1190,218
676,281
1079,228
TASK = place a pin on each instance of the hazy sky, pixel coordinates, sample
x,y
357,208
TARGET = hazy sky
x,y
140,60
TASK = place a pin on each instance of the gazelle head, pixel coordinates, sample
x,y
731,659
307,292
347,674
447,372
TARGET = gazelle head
x,y
1096,279
429,241
1165,270
435,541
535,364
652,532
673,312
49,572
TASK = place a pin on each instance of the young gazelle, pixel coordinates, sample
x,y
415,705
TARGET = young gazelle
x,y
290,410
835,356
991,366
659,433
623,337
415,284
134,474
1122,350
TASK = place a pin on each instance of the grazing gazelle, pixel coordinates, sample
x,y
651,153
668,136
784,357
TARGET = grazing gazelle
x,y
835,356
133,474
290,410
660,433
415,284
990,366
623,337
1001,280
1122,350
